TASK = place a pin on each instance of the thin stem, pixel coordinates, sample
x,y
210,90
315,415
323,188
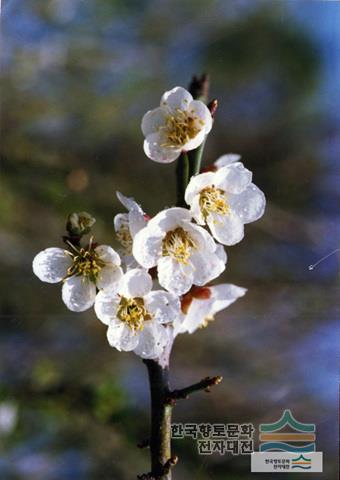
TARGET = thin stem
x,y
182,174
204,385
195,159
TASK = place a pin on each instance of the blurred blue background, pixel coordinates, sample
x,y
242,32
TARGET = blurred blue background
x,y
76,78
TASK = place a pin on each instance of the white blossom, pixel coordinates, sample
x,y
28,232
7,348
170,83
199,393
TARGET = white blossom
x,y
225,200
179,124
136,316
126,226
201,304
82,270
184,253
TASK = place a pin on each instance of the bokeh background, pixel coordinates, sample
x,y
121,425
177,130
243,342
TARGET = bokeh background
x,y
76,78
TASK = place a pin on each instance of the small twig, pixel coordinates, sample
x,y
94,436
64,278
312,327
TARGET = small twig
x,y
165,470
184,393
170,464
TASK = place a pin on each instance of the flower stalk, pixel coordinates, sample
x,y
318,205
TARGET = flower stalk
x,y
182,177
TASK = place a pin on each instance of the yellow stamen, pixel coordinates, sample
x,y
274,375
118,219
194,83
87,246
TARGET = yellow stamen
x,y
133,312
206,322
124,238
86,263
180,128
213,200
178,245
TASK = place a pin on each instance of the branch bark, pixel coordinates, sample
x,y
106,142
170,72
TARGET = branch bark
x,y
204,385
161,411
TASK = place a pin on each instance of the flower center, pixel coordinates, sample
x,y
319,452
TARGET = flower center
x,y
213,200
133,312
178,245
180,128
124,238
85,262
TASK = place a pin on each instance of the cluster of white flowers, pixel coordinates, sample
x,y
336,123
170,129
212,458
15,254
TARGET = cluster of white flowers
x,y
156,285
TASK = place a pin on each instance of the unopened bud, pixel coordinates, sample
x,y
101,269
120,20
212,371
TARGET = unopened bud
x,y
79,224
213,107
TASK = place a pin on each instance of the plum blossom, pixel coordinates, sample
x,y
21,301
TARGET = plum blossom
x,y
183,252
135,315
200,305
126,226
225,200
82,270
179,124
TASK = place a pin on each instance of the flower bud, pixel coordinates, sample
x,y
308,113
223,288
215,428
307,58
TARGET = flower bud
x,y
79,224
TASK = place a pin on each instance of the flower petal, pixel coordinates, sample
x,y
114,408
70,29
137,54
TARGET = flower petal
x,y
226,229
152,120
176,98
198,183
109,277
207,266
179,325
106,305
147,246
196,211
78,293
221,253
249,205
227,159
224,295
195,142
202,111
122,337
152,340
153,149
173,276
108,255
164,306
129,203
119,220
50,265
135,283
202,309
170,218
233,178
198,312
137,221
202,239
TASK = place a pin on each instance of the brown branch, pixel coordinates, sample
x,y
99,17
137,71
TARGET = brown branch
x,y
184,393
160,435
